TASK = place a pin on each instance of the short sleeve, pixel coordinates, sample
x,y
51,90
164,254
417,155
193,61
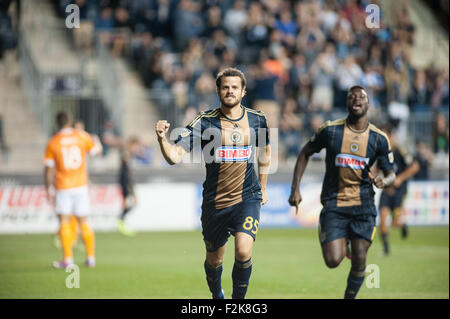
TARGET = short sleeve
x,y
263,138
192,131
385,155
319,140
49,156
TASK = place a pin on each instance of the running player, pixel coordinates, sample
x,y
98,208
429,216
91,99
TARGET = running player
x,y
66,184
392,197
349,213
126,182
228,137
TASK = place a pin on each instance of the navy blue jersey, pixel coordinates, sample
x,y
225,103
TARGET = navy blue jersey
x,y
349,155
228,147
402,160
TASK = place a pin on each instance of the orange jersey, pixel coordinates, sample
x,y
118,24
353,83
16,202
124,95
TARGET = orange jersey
x,y
66,152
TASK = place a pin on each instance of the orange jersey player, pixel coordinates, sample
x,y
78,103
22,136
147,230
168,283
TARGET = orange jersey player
x,y
66,172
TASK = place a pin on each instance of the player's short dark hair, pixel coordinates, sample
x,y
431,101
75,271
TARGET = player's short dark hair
x,y
230,72
354,87
62,118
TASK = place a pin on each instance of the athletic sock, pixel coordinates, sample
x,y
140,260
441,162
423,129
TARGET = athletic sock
x,y
74,228
354,281
124,212
214,279
65,235
404,231
241,278
89,240
385,239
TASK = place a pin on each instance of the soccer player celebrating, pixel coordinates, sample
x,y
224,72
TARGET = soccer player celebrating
x,y
349,213
228,137
66,184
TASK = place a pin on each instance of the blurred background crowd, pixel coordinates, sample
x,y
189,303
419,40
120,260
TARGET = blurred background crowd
x,y
300,58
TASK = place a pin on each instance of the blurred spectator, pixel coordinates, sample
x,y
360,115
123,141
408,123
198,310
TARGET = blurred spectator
x,y
109,137
236,18
105,21
188,23
83,36
322,73
290,128
162,18
287,27
419,94
440,134
310,42
264,91
425,158
374,83
328,16
213,21
348,74
440,96
397,74
180,88
124,26
256,33
205,96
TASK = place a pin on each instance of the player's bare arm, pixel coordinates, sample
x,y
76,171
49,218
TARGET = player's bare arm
x,y
98,147
407,174
302,161
263,170
172,153
48,181
381,181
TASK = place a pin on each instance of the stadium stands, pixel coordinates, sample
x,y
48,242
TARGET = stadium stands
x,y
300,57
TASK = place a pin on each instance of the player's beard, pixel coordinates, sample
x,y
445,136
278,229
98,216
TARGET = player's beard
x,y
360,114
236,101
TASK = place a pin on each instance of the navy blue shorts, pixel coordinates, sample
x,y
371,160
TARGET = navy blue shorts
x,y
393,201
219,224
355,222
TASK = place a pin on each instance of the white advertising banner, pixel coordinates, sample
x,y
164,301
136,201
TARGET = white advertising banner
x,y
24,209
176,206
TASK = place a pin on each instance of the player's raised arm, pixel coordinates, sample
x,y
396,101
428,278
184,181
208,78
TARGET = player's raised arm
x,y
172,153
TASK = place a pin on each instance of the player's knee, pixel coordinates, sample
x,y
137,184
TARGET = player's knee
x,y
243,253
214,261
333,261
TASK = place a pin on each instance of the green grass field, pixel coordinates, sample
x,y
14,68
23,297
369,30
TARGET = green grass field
x,y
287,264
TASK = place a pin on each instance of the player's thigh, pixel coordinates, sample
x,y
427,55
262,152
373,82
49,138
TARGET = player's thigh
x,y
334,251
384,214
63,204
397,210
246,218
363,225
81,206
332,225
215,227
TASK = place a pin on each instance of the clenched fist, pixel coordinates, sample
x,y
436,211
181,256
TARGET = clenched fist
x,y
161,129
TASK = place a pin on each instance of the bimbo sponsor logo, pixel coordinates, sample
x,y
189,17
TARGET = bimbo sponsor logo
x,y
233,153
351,161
